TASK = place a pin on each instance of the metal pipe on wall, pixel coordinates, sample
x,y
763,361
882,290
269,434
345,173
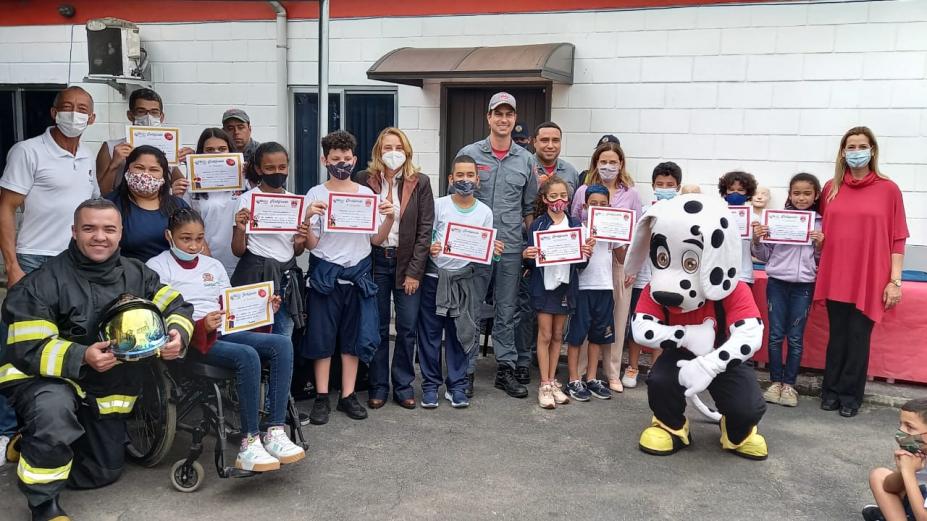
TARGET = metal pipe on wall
x,y
323,68
283,95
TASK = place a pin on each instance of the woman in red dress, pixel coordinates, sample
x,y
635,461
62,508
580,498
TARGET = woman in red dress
x,y
859,275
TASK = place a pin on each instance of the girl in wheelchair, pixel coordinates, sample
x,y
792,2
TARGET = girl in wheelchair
x,y
201,280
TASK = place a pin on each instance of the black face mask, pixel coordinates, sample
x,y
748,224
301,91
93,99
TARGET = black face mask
x,y
273,180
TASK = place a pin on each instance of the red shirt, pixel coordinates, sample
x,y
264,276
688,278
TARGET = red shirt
x,y
738,306
863,226
499,153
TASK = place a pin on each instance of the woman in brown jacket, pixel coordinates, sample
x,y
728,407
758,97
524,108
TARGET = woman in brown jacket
x,y
399,263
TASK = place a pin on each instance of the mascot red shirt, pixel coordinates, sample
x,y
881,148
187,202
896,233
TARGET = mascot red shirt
x,y
703,318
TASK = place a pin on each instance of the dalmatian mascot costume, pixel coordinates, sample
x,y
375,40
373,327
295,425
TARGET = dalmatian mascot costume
x,y
703,318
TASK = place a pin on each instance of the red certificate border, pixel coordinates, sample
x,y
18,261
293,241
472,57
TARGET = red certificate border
x,y
593,210
748,233
789,241
253,229
373,229
537,243
226,306
191,172
489,248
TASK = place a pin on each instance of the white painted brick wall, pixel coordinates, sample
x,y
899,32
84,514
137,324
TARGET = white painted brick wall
x,y
768,88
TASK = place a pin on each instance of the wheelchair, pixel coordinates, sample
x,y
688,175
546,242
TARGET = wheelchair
x,y
192,396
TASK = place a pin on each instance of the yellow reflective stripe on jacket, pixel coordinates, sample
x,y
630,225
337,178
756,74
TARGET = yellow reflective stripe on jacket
x,y
180,321
164,297
30,330
8,373
36,475
116,404
77,388
52,361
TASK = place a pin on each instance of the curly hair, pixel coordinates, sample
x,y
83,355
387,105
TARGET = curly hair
x,y
745,179
540,202
338,140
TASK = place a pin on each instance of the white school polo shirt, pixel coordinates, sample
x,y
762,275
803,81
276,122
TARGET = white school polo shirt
x,y
343,249
277,246
54,183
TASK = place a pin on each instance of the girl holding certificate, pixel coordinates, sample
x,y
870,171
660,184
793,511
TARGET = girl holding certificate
x,y
792,269
270,256
609,168
553,288
860,272
202,281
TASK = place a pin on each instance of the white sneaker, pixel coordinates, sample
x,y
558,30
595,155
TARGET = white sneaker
x,y
629,379
253,457
279,445
546,397
4,441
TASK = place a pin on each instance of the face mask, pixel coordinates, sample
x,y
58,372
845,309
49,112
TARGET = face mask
x,y
143,184
858,158
608,172
340,171
735,199
909,442
464,187
274,180
147,121
663,194
180,254
71,124
394,159
557,206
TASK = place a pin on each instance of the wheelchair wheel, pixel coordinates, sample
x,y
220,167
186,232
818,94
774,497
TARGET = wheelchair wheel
x,y
153,423
187,478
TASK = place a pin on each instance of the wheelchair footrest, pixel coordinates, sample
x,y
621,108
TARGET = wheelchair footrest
x,y
232,472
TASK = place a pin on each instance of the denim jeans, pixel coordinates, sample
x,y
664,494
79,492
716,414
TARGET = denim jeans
x,y
788,304
244,351
407,307
283,323
29,263
431,327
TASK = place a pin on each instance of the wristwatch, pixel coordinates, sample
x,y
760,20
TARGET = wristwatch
x,y
896,282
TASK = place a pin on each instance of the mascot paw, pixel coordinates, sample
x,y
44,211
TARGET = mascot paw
x,y
660,440
753,447
700,339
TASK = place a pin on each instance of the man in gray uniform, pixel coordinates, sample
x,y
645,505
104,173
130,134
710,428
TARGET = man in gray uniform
x,y
509,186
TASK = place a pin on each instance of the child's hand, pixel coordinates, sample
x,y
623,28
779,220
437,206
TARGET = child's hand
x,y
386,208
759,231
587,248
435,249
242,218
213,320
629,280
817,238
531,252
316,208
275,303
908,463
498,247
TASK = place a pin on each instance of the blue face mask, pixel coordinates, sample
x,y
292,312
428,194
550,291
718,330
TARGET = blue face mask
x,y
182,255
858,158
662,194
464,187
735,199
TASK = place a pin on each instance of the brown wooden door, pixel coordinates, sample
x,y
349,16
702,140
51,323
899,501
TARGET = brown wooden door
x,y
464,116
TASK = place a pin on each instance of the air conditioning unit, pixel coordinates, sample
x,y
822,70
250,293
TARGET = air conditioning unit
x,y
114,52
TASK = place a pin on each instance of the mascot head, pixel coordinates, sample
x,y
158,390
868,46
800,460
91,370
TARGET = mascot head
x,y
694,249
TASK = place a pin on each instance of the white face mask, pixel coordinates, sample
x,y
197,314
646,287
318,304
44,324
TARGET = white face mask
x,y
72,124
394,159
147,121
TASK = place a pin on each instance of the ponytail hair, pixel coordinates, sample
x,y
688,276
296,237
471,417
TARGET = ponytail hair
x,y
183,216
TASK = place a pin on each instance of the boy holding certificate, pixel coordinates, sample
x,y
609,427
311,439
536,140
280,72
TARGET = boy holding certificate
x,y
345,219
452,288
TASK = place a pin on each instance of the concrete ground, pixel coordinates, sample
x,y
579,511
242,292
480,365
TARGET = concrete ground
x,y
505,458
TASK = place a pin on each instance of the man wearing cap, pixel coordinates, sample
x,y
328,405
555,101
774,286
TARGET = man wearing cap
x,y
238,125
521,137
509,186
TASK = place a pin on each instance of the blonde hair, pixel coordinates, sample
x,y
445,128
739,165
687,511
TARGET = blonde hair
x,y
375,166
593,177
840,166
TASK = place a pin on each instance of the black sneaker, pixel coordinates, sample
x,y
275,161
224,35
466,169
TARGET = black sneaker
x,y
350,406
505,380
522,375
872,513
48,510
321,410
304,419
469,390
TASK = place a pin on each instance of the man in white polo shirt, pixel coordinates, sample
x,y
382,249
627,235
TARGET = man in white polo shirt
x,y
48,175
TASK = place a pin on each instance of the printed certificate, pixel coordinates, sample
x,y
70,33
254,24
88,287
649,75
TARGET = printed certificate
x,y
275,213
741,216
215,172
612,224
351,213
472,243
166,139
247,307
559,246
788,226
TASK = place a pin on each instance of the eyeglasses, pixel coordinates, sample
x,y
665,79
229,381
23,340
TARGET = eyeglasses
x,y
151,112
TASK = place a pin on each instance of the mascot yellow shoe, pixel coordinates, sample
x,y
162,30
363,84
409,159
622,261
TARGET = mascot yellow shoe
x,y
753,447
12,449
660,440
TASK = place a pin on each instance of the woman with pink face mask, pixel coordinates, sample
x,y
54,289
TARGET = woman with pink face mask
x,y
145,202
609,167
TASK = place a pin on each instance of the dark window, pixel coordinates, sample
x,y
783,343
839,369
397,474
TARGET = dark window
x,y
306,151
24,113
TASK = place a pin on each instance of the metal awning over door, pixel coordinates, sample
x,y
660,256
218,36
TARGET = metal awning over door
x,y
412,66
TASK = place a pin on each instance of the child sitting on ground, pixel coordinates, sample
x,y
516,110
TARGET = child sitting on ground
x,y
900,493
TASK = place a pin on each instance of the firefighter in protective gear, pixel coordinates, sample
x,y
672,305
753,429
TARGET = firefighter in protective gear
x,y
70,393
